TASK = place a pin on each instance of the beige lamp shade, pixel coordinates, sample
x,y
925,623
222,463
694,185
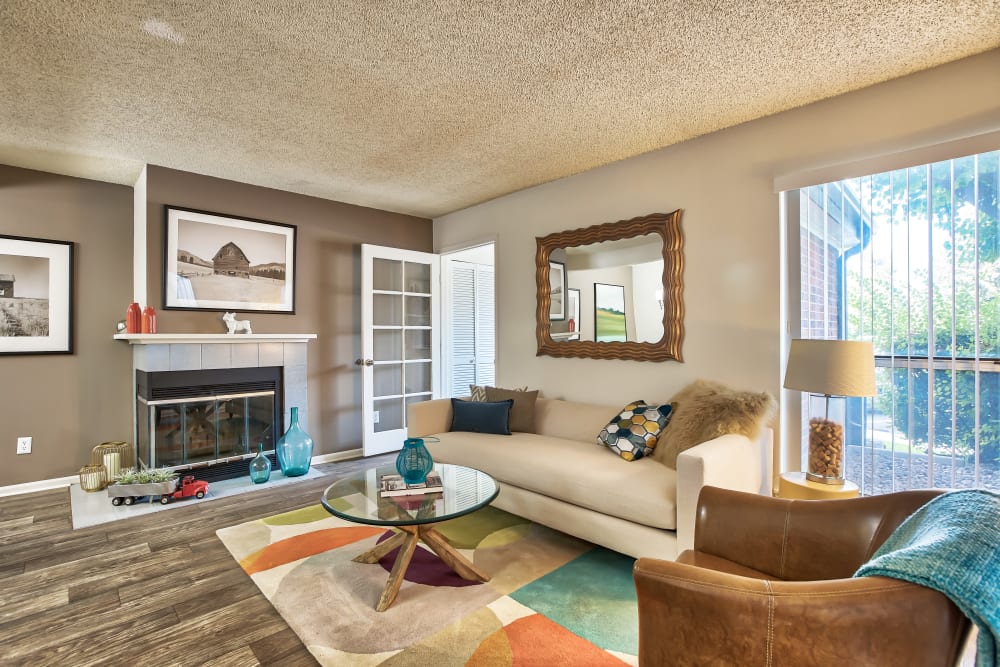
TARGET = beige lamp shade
x,y
831,367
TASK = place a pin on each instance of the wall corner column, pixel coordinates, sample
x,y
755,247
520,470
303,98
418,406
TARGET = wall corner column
x,y
139,279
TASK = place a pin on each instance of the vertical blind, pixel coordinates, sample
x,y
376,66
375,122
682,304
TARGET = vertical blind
x,y
910,260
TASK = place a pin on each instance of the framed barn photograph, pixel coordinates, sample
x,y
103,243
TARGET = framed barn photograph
x,y
217,262
36,296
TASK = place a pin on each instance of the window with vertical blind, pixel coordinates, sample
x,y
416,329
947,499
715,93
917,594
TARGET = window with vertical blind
x,y
910,260
472,327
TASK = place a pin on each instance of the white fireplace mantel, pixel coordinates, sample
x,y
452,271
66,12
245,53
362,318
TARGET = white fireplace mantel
x,y
203,339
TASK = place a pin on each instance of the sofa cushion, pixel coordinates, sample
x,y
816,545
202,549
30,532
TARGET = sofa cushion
x,y
581,473
571,420
704,410
522,414
481,417
632,433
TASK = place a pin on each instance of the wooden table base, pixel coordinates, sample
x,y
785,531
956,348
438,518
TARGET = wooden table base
x,y
408,537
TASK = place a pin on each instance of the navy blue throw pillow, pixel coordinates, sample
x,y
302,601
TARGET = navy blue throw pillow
x,y
481,416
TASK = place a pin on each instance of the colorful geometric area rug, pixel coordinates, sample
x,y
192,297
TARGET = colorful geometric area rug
x,y
552,599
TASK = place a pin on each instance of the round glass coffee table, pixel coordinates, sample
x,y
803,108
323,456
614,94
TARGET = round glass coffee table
x,y
357,498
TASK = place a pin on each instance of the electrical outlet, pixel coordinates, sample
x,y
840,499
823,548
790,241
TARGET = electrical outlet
x,y
24,445
375,417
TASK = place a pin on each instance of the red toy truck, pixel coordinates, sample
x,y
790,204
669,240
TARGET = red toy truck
x,y
128,494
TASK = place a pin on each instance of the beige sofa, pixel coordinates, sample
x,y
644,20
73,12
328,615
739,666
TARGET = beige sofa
x,y
560,477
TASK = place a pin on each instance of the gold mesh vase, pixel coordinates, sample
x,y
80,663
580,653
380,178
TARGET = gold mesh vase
x,y
93,478
115,456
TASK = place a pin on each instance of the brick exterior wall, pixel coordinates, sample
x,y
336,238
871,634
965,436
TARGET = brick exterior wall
x,y
820,312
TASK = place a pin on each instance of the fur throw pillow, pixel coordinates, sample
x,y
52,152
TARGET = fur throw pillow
x,y
704,410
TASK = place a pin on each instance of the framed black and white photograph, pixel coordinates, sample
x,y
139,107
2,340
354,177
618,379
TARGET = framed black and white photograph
x,y
217,262
36,296
557,291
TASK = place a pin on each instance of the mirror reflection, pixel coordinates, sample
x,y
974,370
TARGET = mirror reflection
x,y
610,291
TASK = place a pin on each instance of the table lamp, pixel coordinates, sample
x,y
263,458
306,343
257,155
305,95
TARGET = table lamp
x,y
829,370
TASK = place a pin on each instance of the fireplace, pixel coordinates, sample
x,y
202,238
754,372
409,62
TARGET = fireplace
x,y
211,420
167,367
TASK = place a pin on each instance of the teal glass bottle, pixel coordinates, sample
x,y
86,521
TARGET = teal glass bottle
x,y
260,466
414,461
294,449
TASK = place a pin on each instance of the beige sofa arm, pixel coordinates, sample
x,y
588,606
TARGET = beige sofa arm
x,y
428,417
730,462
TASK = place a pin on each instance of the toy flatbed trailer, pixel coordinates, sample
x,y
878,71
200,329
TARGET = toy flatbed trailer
x,y
128,494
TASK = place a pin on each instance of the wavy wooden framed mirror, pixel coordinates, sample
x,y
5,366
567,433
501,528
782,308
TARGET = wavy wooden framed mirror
x,y
612,291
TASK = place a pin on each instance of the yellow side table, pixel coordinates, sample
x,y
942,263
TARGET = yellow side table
x,y
794,485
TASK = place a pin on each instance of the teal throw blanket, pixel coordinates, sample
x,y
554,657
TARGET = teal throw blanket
x,y
952,544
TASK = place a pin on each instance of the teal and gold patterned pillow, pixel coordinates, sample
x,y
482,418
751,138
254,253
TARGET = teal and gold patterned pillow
x,y
634,431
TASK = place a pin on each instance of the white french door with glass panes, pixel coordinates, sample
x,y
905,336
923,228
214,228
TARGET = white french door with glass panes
x,y
399,362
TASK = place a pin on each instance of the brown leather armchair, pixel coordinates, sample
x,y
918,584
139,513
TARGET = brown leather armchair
x,y
769,583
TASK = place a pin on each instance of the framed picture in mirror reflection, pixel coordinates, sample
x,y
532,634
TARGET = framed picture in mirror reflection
x,y
609,313
557,291
573,309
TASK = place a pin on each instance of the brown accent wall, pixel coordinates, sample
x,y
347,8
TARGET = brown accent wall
x,y
328,282
69,403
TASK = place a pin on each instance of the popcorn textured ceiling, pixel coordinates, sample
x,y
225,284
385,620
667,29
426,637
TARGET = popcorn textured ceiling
x,y
428,107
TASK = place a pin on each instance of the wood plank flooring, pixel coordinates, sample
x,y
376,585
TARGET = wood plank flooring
x,y
158,589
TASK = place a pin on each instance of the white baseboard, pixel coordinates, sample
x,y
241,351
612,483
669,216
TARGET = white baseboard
x,y
338,456
40,485
61,482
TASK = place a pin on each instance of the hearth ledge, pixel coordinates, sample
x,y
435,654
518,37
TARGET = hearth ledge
x,y
167,339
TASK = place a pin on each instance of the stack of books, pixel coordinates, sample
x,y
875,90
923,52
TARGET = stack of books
x,y
393,485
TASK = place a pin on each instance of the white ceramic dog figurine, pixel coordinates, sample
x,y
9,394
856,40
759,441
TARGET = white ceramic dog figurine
x,y
234,325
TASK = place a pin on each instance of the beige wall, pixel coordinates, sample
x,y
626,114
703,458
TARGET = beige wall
x,y
328,282
69,403
724,182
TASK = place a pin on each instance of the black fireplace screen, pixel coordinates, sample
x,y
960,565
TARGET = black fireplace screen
x,y
195,418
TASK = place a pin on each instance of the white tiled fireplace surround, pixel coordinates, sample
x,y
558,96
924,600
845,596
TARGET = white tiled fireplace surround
x,y
194,352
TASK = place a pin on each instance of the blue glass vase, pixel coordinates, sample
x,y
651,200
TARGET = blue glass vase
x,y
260,466
294,449
414,461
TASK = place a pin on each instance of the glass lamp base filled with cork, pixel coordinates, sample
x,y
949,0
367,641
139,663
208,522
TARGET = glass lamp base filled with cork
x,y
826,439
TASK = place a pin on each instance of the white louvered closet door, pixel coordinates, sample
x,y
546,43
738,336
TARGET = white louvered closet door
x,y
473,327
486,337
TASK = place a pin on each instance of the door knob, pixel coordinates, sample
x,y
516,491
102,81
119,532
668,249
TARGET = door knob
x,y
363,362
